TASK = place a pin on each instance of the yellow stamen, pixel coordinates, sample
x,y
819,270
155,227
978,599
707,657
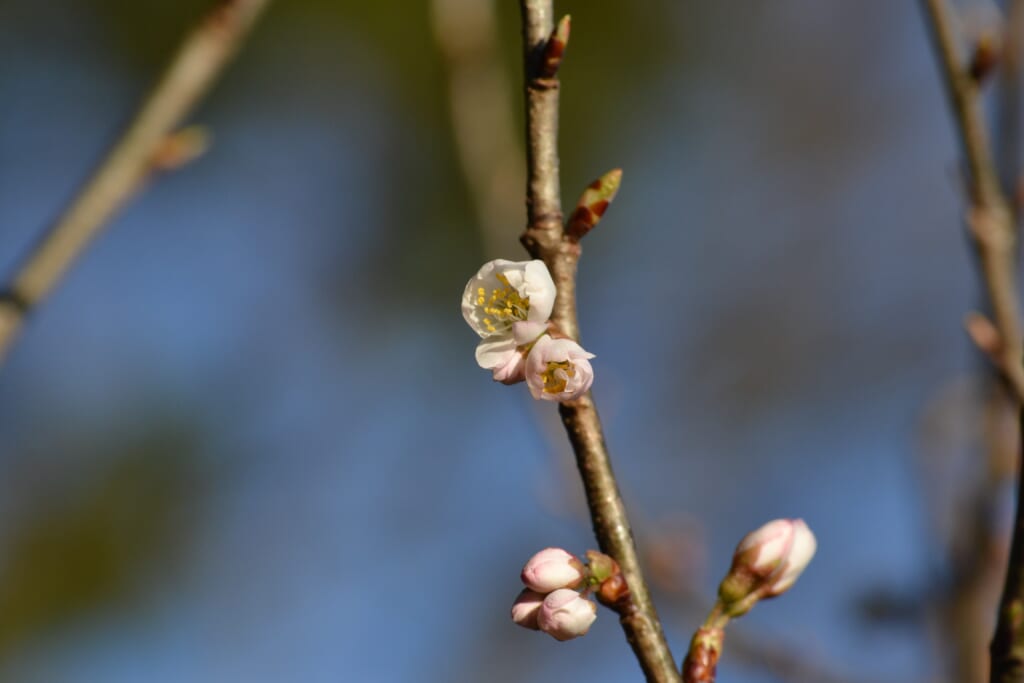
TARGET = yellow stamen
x,y
555,381
504,305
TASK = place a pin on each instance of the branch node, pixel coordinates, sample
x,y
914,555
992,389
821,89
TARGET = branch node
x,y
17,300
541,84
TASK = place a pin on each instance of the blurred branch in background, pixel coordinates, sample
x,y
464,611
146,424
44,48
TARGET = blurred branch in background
x,y
479,103
1008,121
967,453
993,230
990,218
151,143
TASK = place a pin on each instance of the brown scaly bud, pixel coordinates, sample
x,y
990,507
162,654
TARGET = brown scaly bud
x,y
702,659
987,53
605,574
984,334
555,48
613,591
593,203
180,148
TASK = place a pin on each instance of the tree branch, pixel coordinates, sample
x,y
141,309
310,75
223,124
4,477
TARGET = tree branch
x,y
993,233
545,238
130,163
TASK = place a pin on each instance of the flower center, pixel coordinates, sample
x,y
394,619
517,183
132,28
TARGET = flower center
x,y
503,306
557,376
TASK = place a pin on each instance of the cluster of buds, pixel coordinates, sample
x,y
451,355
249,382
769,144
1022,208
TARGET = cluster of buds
x,y
508,303
767,562
558,584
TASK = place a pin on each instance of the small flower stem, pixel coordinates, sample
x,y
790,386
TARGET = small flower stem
x,y
994,236
705,650
130,163
545,238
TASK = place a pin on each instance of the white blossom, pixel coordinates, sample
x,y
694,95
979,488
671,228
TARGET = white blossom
x,y
509,298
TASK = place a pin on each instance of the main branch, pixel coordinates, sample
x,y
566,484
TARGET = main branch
x,y
129,164
545,238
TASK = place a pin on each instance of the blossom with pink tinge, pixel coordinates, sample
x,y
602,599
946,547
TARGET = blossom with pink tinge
x,y
565,614
552,568
509,299
558,369
503,358
526,609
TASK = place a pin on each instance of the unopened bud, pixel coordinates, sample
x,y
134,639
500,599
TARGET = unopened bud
x,y
181,147
551,569
565,615
613,590
526,608
601,566
987,52
983,333
555,48
766,563
800,554
593,203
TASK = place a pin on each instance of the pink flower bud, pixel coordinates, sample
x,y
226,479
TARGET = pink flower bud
x,y
558,370
526,609
763,550
565,615
800,554
552,568
766,563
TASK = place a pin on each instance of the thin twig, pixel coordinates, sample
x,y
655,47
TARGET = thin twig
x,y
993,232
756,651
130,163
545,238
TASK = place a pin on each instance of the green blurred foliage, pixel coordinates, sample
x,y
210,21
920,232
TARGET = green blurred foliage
x,y
93,538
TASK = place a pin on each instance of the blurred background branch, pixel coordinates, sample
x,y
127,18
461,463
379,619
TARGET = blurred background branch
x,y
151,143
993,230
480,106
991,217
